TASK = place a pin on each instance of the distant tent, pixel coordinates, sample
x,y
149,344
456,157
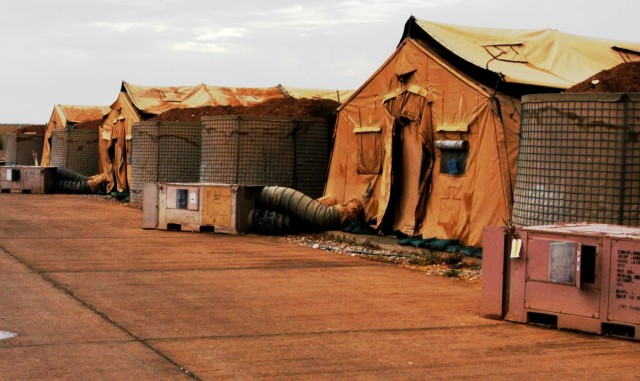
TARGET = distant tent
x,y
429,142
138,103
68,116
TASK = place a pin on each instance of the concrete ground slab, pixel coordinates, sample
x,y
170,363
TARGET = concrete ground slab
x,y
57,337
92,295
490,352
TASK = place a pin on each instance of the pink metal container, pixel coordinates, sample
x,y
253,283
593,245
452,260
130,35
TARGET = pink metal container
x,y
583,277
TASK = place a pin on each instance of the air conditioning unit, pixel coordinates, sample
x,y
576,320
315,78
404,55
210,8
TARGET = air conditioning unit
x,y
203,207
580,276
27,179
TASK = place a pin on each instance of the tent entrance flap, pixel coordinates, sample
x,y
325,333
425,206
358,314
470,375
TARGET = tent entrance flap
x,y
397,175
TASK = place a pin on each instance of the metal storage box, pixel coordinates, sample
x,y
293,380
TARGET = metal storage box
x,y
582,277
220,208
27,179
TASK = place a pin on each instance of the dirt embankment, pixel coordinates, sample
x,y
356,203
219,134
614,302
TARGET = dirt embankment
x,y
624,78
290,107
89,125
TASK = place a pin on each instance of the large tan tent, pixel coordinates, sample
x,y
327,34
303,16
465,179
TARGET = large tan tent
x,y
429,142
67,116
137,103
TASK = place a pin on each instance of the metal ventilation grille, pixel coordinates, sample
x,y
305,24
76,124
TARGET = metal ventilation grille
x,y
163,152
75,150
579,160
257,150
20,148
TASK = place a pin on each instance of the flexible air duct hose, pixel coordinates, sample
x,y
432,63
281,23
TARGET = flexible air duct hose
x,y
269,222
67,181
297,204
65,174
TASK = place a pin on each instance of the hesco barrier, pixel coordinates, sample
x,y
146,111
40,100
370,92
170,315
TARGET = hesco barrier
x,y
579,159
20,148
163,151
262,150
75,150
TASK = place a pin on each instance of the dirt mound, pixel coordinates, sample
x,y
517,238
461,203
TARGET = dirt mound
x,y
89,125
290,107
31,129
624,78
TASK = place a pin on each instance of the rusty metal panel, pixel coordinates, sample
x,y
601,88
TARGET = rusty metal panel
x,y
562,298
491,303
150,206
38,179
516,269
553,276
218,205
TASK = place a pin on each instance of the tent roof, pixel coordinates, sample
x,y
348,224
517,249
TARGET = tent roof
x,y
156,100
78,114
298,93
546,57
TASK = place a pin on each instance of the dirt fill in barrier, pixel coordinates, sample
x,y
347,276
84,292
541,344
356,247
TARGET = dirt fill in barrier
x,y
624,78
164,151
75,150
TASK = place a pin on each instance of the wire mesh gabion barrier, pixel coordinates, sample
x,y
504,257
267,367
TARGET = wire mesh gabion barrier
x,y
21,146
579,159
163,151
75,150
266,150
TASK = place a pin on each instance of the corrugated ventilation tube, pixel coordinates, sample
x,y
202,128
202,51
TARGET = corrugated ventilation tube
x,y
296,204
67,181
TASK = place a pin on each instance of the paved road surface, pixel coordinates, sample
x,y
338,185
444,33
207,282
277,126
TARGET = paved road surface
x,y
92,296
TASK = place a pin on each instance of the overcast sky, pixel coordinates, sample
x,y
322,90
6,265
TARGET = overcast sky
x,y
79,51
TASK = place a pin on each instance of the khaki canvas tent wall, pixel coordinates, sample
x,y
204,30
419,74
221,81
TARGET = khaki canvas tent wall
x,y
429,142
67,116
137,103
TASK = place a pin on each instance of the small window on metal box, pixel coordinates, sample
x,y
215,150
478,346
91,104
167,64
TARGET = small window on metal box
x,y
182,198
588,264
561,262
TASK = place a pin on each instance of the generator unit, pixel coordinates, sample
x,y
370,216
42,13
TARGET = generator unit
x,y
220,208
27,179
577,276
